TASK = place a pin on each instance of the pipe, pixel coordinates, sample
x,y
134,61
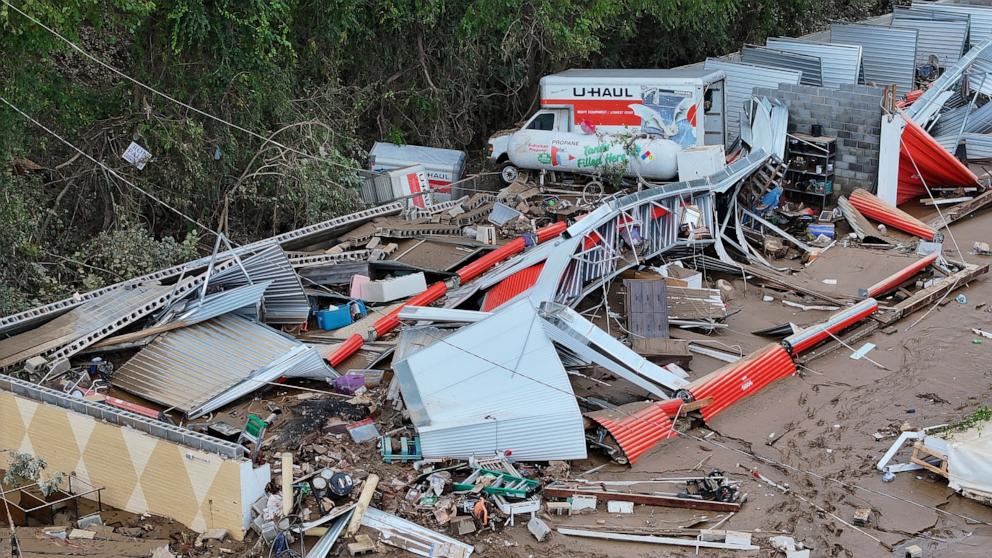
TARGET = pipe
x,y
898,278
515,246
808,338
468,272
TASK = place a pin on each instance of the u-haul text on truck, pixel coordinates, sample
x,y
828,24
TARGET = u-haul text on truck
x,y
635,120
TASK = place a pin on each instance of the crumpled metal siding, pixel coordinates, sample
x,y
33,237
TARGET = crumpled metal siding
x,y
742,379
637,427
739,86
244,299
897,278
510,287
494,384
888,53
979,121
839,64
775,58
285,301
978,146
945,39
981,16
414,538
811,336
188,367
870,206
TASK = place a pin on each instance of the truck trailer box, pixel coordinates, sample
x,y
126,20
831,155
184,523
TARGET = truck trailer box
x,y
411,184
443,166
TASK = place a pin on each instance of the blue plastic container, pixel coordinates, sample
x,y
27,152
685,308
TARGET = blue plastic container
x,y
339,317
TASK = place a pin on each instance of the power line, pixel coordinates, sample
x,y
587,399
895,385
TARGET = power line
x,y
168,97
107,169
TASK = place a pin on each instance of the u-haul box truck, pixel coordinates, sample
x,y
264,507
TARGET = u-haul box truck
x,y
635,119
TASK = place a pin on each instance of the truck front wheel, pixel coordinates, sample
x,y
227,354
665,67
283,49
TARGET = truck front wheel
x,y
508,173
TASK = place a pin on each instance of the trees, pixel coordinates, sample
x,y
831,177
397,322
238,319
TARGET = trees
x,y
323,77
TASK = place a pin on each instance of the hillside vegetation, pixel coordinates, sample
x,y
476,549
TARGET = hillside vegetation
x,y
323,77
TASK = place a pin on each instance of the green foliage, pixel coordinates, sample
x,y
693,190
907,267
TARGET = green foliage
x,y
324,77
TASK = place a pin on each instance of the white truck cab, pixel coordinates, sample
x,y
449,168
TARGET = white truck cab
x,y
685,106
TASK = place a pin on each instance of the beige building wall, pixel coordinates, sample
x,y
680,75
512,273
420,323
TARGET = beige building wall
x,y
140,473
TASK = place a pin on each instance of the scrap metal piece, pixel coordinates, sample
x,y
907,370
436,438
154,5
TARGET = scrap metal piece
x,y
637,427
411,537
874,208
284,300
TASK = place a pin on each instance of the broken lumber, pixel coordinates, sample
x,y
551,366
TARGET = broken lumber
x,y
364,499
933,293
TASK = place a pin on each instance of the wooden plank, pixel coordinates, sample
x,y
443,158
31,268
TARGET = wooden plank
x,y
931,294
961,210
644,499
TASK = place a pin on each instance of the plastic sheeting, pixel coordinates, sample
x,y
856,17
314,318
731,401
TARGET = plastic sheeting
x,y
969,460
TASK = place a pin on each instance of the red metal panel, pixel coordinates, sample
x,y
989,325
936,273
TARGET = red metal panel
x,y
743,378
899,277
933,165
874,208
637,427
391,320
515,246
510,287
814,335
345,350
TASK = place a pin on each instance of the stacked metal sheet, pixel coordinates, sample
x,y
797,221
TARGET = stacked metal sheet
x,y
980,15
938,35
774,58
839,64
740,84
284,300
889,53
199,368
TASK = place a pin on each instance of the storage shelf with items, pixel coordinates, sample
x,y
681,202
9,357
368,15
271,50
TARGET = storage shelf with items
x,y
811,159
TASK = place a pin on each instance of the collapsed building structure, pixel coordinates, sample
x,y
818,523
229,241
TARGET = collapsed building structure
x,y
537,322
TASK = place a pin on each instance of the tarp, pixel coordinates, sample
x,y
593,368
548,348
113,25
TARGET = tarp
x,y
969,459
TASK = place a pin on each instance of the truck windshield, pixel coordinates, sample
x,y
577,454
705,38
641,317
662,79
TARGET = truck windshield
x,y
544,121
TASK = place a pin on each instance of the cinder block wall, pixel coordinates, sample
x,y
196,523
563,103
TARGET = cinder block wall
x,y
852,114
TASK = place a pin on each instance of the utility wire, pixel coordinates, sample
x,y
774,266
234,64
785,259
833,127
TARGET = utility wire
x,y
107,169
265,140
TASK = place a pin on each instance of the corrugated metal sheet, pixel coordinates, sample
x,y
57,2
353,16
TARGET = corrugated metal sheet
x,y
493,386
978,121
326,542
945,39
305,234
412,339
893,281
949,78
981,17
510,287
809,337
245,300
284,300
925,163
775,58
93,317
839,64
870,206
739,86
978,146
888,53
742,379
637,427
980,76
194,369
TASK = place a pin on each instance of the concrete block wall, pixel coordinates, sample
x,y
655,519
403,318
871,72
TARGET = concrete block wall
x,y
852,114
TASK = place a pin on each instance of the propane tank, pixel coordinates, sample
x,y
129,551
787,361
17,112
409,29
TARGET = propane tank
x,y
651,158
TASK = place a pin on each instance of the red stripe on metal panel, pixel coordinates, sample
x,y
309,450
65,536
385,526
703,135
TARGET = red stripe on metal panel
x,y
742,379
637,427
897,278
874,208
510,287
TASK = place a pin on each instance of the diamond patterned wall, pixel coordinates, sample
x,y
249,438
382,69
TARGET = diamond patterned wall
x,y
140,473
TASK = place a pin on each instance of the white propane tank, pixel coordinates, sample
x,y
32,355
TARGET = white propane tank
x,y
651,158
